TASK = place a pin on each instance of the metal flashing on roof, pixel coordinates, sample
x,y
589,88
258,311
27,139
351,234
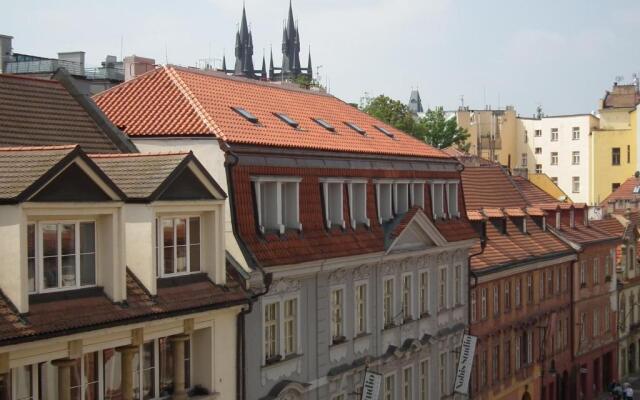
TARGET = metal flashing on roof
x,y
287,120
246,114
385,131
324,124
356,128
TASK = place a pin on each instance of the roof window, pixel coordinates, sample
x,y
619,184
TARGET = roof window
x,y
356,128
636,190
246,114
324,124
384,130
285,118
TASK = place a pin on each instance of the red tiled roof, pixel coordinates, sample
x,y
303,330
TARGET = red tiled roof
x,y
515,246
515,212
43,112
95,310
531,192
493,213
624,192
585,235
174,101
535,211
489,186
610,225
475,216
316,242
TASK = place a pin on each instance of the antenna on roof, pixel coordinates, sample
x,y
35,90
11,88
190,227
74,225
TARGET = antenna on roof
x,y
166,54
462,100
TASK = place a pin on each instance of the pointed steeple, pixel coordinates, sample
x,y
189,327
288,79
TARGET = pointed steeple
x,y
224,63
271,69
263,72
291,66
309,65
290,22
244,49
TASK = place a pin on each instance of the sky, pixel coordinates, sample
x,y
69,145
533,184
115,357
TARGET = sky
x,y
559,54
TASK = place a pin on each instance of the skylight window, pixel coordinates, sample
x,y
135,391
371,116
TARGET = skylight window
x,y
385,131
636,190
324,124
246,114
291,122
356,128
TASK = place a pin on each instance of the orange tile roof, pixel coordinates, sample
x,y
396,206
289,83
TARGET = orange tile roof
x,y
474,216
493,213
515,212
624,192
531,192
490,186
174,101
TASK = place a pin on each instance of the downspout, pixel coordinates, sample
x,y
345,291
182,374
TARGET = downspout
x,y
231,160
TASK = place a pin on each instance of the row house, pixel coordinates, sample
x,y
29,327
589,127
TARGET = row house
x,y
520,296
628,285
594,307
113,282
355,232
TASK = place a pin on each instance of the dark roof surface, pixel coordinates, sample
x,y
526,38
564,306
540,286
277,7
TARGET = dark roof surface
x,y
36,112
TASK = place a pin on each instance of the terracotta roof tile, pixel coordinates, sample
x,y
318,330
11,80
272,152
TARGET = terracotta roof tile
x,y
535,211
624,192
515,212
475,216
531,192
492,213
489,186
43,112
174,101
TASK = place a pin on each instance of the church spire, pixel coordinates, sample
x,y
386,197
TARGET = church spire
x,y
309,65
271,68
224,63
263,72
244,49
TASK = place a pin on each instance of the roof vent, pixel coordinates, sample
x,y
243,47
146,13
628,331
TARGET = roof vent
x,y
324,124
246,114
356,128
289,121
385,131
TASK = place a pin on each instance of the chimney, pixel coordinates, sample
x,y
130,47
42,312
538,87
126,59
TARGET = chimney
x,y
135,65
6,51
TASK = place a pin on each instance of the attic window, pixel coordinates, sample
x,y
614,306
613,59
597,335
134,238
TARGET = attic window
x,y
324,124
401,197
277,203
437,199
636,190
384,194
291,122
246,114
417,194
358,203
332,191
356,128
385,131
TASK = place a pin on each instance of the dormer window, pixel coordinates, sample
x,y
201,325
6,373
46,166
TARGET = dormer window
x,y
401,197
61,255
358,203
437,199
417,194
277,203
332,192
180,239
452,199
246,114
384,194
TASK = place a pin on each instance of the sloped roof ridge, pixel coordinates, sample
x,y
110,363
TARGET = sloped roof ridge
x,y
39,148
194,102
30,78
130,155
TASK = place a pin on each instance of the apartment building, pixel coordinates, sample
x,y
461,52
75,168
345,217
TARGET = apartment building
x,y
559,147
115,282
358,231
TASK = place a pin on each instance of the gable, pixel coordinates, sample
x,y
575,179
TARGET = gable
x,y
186,186
418,234
72,184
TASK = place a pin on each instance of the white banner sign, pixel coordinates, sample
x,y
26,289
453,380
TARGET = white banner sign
x,y
465,363
371,386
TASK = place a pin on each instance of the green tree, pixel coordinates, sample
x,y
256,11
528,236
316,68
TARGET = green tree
x,y
305,82
442,132
392,112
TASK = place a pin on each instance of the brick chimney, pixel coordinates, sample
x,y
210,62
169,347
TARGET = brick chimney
x,y
135,65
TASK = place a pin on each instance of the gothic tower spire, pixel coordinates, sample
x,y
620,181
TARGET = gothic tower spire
x,y
244,49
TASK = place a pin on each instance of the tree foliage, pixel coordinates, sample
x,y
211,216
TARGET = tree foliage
x,y
441,132
392,112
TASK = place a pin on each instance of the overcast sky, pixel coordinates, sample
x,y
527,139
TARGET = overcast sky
x,y
562,54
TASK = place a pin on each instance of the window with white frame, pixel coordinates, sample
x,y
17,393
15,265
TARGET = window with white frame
x,y
358,203
452,199
518,290
389,387
332,190
538,150
407,382
523,160
507,296
442,374
537,133
424,379
417,194
538,168
62,256
554,158
384,194
387,302
424,293
400,197
596,323
529,289
529,347
337,316
596,271
180,245
407,314
290,326
474,312
496,300
442,290
575,158
554,134
437,199
457,285
277,203
575,133
271,334
583,273
517,352
575,184
361,309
